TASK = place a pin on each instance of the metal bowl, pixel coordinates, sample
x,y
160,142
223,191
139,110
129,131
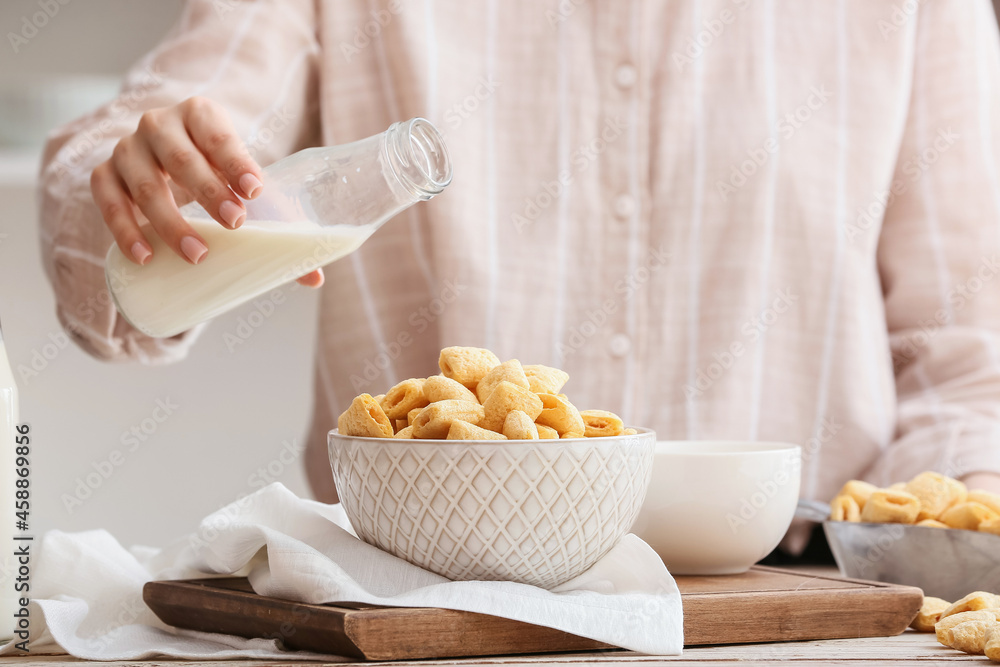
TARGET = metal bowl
x,y
946,563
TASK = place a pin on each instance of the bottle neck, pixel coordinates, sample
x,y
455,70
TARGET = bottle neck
x,y
415,154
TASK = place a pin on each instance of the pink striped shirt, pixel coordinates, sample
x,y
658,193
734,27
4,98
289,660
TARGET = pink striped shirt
x,y
746,219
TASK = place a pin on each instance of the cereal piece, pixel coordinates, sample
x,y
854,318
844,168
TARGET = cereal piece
x,y
571,434
400,424
629,431
434,421
561,415
379,398
601,424
463,430
402,398
961,492
992,526
546,432
505,398
844,508
858,490
898,486
992,648
970,637
975,601
889,506
935,492
467,365
412,414
441,388
508,371
968,516
991,500
404,433
545,379
365,418
519,425
943,628
929,614
932,523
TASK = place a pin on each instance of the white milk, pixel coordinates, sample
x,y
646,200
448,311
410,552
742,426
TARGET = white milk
x,y
169,295
8,420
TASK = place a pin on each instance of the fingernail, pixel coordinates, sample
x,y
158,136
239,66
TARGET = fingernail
x,y
232,213
250,184
193,248
141,252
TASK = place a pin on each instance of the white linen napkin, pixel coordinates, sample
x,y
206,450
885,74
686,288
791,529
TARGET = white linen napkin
x,y
87,589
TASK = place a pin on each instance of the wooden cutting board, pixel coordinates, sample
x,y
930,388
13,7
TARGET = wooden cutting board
x,y
762,605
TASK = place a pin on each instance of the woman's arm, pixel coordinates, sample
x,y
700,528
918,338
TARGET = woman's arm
x,y
256,59
939,254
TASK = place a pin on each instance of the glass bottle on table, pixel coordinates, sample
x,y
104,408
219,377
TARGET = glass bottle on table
x,y
316,206
8,489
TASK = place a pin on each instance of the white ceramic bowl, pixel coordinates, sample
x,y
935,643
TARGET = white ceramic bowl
x,y
538,512
719,507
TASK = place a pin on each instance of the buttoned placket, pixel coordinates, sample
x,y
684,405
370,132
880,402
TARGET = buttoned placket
x,y
621,80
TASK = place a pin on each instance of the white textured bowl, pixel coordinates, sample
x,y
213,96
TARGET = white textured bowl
x,y
719,507
537,512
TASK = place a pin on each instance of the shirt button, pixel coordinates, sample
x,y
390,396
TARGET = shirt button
x,y
624,206
620,345
626,76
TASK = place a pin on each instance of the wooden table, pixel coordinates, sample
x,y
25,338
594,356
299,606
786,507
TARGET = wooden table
x,y
906,649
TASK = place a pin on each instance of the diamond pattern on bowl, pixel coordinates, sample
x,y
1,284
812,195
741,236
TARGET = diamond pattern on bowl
x,y
534,512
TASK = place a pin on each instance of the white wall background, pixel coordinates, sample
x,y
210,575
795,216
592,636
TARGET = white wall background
x,y
237,412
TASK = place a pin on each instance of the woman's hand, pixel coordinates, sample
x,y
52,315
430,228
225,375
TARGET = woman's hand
x,y
194,145
987,481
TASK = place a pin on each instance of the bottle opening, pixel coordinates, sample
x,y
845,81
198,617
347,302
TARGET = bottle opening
x,y
418,157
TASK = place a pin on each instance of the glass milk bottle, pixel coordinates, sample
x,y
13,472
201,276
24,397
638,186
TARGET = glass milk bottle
x,y
8,435
316,206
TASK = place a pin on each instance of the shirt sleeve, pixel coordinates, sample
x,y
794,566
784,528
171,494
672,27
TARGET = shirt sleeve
x,y
939,252
259,59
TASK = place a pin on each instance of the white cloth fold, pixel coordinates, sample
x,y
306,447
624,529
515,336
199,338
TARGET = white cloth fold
x,y
87,588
